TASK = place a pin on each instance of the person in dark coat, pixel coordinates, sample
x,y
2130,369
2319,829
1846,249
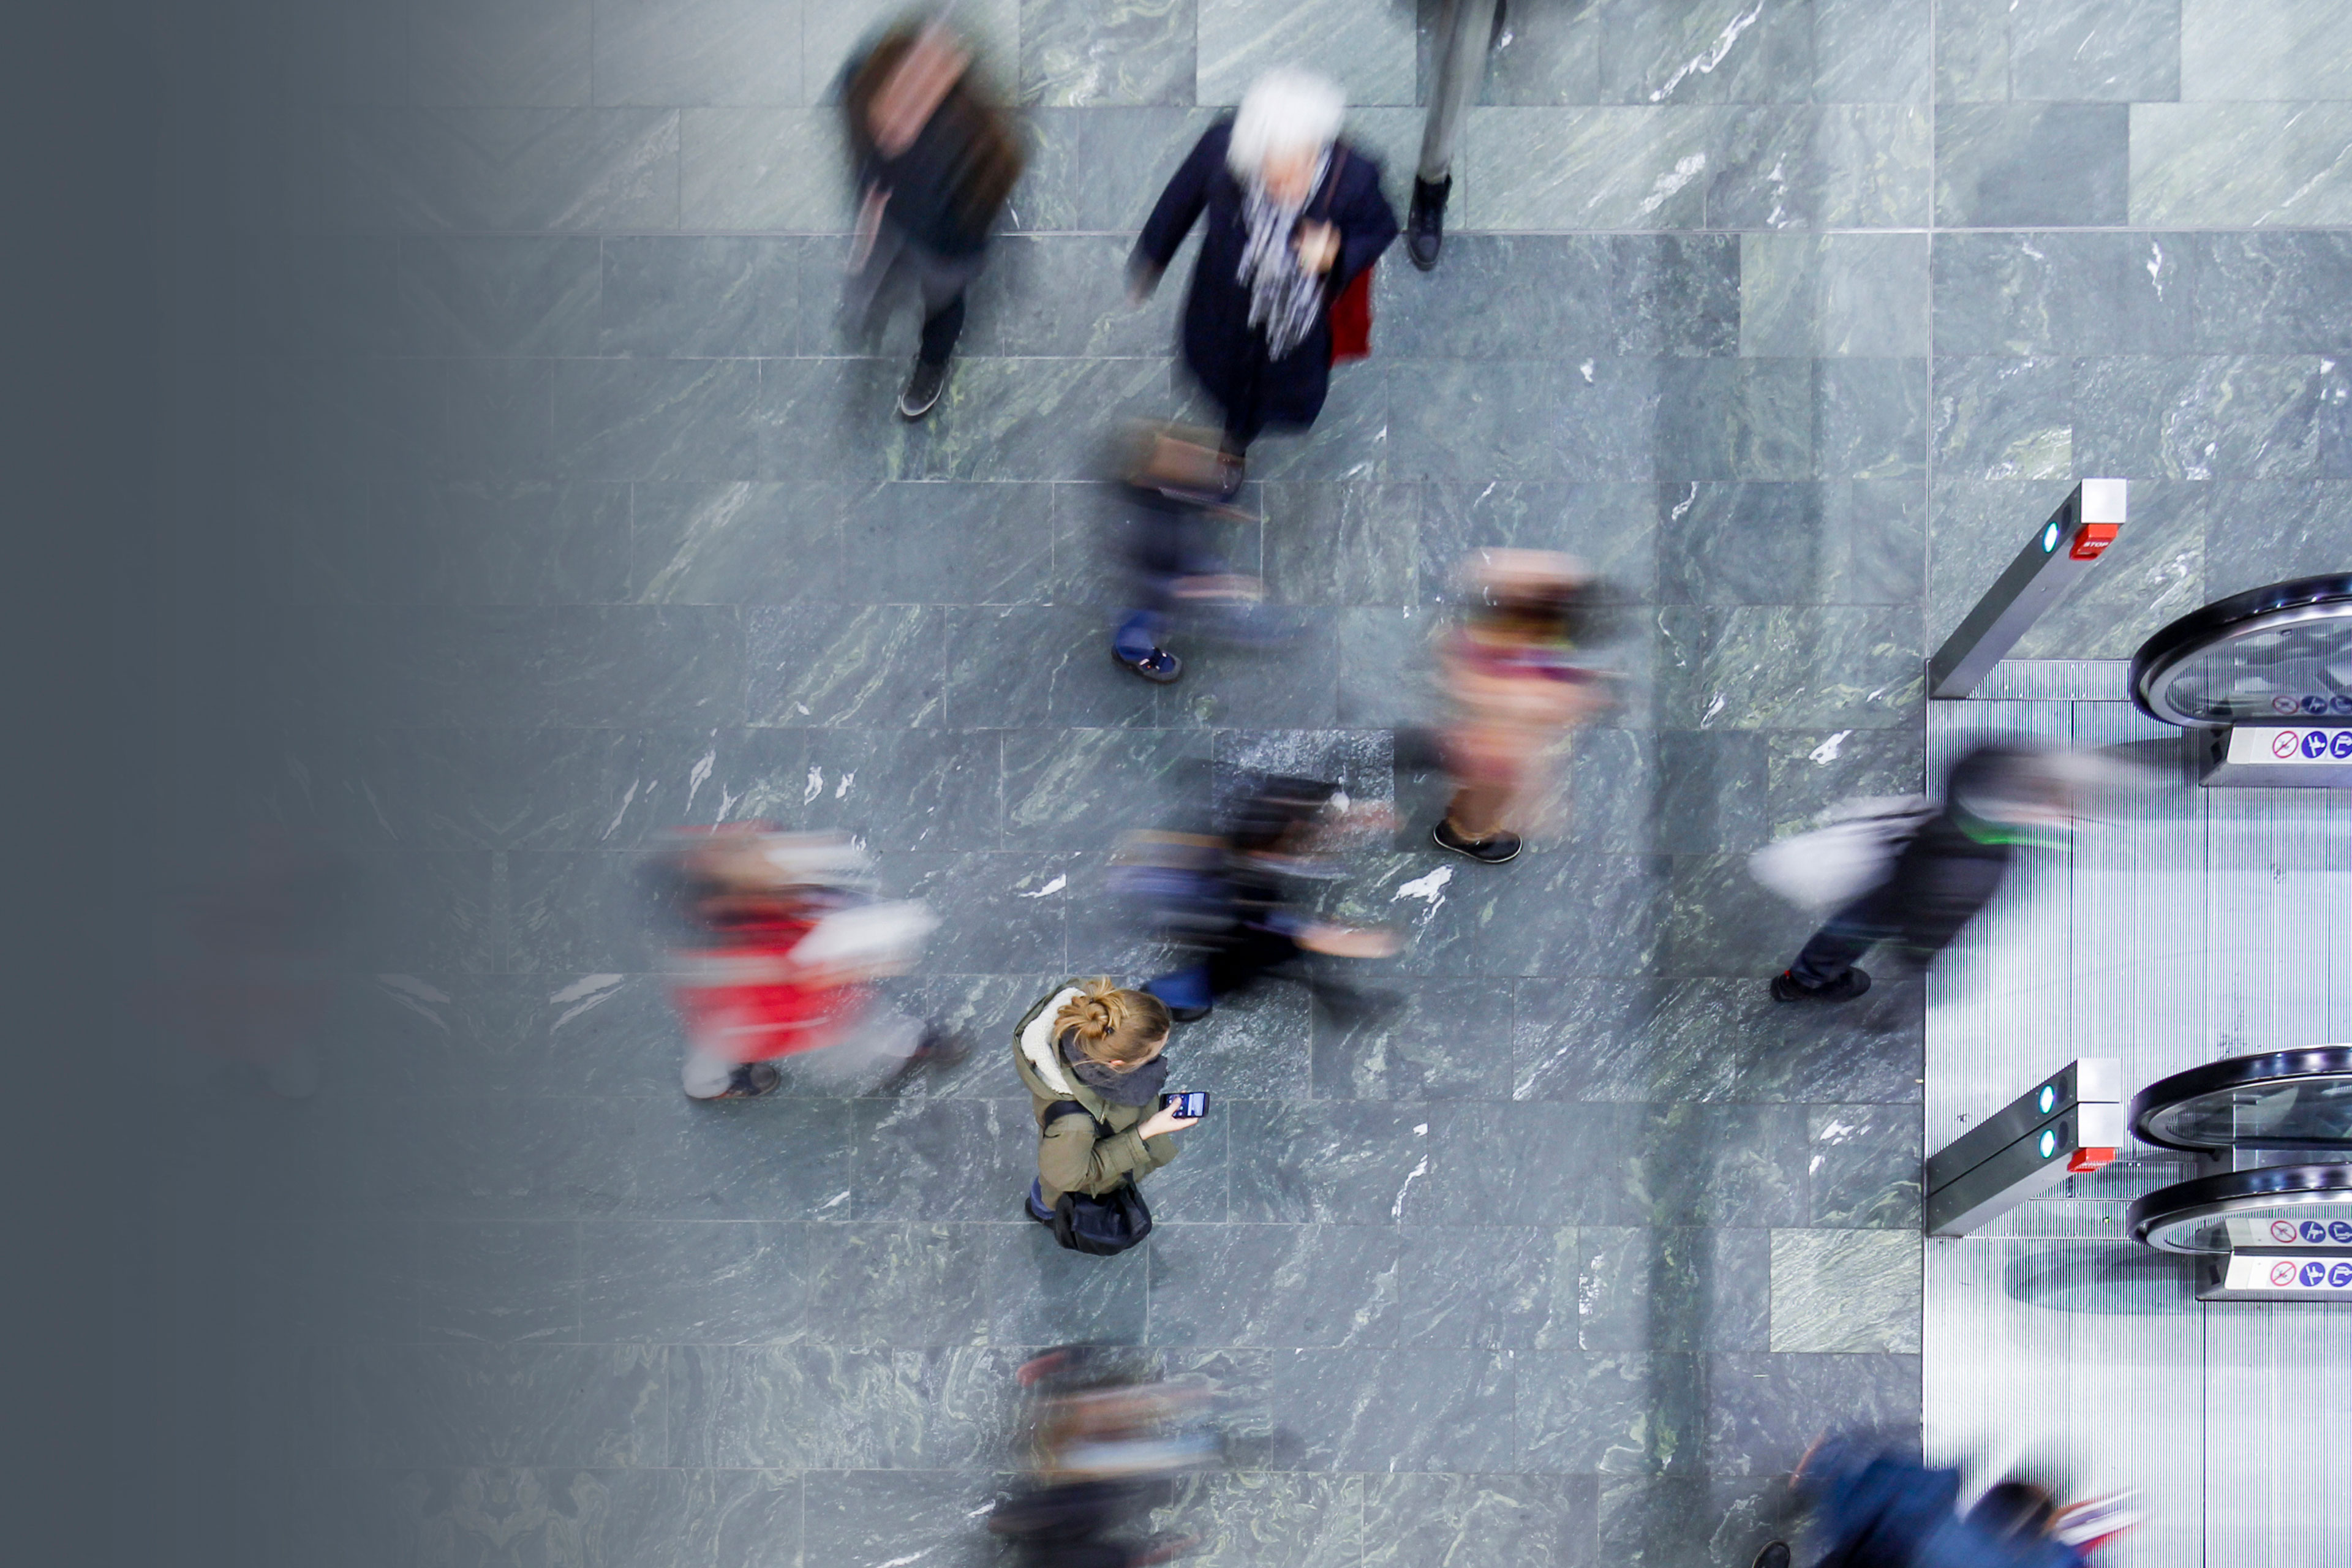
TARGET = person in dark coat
x,y
1995,798
1294,216
934,158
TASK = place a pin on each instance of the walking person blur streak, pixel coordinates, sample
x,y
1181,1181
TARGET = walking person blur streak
x,y
1097,1046
1515,689
1294,215
1996,798
935,160
1463,39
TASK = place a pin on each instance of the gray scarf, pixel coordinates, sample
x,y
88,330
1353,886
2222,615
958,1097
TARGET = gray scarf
x,y
1284,298
1136,1086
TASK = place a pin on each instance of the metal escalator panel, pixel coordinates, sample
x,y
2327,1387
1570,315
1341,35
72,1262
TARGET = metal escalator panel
x,y
2273,654
2281,1100
2302,1205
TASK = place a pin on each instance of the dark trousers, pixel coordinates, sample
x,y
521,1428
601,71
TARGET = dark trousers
x,y
1249,957
1838,945
942,328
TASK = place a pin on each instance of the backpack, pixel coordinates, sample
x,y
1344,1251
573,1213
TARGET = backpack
x,y
1101,1226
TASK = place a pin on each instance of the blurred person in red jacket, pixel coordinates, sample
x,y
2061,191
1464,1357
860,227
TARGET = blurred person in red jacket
x,y
786,945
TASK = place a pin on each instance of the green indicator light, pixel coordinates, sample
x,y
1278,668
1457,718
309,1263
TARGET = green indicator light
x,y
2047,1099
2049,536
2049,1141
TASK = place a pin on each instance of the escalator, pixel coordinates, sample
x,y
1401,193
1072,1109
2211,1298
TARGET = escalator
x,y
2270,1215
2261,683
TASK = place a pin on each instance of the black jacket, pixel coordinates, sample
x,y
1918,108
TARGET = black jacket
x,y
933,198
1955,864
1220,345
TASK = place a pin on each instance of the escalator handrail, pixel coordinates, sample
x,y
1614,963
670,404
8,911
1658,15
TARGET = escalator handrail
x,y
2233,1073
2212,1197
2161,654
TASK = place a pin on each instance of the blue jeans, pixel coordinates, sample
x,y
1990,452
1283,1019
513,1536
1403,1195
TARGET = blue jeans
x,y
1183,987
1139,635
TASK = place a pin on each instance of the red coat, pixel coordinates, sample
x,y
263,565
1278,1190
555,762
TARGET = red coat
x,y
744,999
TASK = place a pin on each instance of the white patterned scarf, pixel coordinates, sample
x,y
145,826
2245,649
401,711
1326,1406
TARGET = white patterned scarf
x,y
1284,298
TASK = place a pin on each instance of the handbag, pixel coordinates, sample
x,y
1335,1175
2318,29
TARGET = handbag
x,y
1100,1224
1835,864
1352,320
1351,311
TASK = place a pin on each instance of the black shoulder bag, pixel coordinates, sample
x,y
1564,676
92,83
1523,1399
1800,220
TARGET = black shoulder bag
x,y
1101,1226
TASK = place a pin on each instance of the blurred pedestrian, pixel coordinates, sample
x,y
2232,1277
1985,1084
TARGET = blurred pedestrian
x,y
1171,481
1513,674
1468,31
935,158
1876,1505
1932,882
1226,897
1106,1444
1091,1057
1294,216
782,945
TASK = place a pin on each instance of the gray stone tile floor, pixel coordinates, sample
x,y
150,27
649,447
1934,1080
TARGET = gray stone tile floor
x,y
590,518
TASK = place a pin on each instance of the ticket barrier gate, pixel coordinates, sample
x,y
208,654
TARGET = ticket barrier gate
x,y
2069,1123
2269,1215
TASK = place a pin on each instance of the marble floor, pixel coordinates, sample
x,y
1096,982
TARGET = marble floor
x,y
578,513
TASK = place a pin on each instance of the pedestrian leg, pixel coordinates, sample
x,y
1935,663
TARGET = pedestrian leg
x,y
1463,42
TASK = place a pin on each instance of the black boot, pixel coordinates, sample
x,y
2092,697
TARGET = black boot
x,y
1424,225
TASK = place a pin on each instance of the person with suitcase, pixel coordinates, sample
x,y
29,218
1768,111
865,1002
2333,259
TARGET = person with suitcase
x,y
1091,1055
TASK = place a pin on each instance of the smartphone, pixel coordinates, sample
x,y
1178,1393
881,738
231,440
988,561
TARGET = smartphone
x,y
1191,1107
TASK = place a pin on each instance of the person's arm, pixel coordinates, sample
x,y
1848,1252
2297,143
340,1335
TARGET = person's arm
x,y
1071,1159
1178,209
1367,224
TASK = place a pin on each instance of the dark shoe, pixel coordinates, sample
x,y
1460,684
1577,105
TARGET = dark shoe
x,y
1491,850
1188,1014
1774,1555
1787,987
1158,665
1033,1203
922,389
749,1081
940,1048
1424,222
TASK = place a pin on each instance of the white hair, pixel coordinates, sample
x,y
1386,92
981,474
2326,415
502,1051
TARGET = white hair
x,y
1285,111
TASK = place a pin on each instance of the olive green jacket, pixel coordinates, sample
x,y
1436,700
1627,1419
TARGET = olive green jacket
x,y
1070,1157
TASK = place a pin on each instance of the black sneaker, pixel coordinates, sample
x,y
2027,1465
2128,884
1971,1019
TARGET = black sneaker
x,y
1188,1014
749,1081
1491,850
1774,1555
1787,987
922,390
1158,665
1424,222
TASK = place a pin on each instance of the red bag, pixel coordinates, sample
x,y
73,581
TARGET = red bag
x,y
1352,320
1351,312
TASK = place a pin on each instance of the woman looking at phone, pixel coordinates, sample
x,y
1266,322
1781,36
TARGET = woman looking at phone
x,y
1099,1047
